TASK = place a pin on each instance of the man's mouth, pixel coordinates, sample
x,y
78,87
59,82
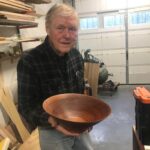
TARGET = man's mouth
x,y
65,43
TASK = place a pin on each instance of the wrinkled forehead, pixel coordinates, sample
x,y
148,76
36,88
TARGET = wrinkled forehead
x,y
67,21
65,15
64,20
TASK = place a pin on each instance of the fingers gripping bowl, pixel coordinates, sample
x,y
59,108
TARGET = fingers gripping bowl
x,y
76,112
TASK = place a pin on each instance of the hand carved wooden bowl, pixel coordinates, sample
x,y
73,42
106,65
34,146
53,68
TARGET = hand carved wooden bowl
x,y
76,112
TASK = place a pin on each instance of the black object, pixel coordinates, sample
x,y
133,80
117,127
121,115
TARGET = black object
x,y
142,118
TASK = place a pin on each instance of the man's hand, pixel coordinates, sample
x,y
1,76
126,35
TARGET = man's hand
x,y
61,129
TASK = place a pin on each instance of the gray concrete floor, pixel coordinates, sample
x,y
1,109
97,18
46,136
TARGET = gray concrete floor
x,y
115,132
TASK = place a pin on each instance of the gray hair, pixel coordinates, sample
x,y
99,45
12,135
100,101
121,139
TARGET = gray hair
x,y
63,10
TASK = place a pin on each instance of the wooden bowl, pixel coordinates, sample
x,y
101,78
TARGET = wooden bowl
x,y
76,112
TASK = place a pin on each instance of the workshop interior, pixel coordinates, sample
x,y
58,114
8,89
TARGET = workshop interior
x,y
114,41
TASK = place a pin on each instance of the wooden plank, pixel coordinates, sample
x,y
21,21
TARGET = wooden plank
x,y
9,106
21,3
91,73
1,137
5,133
15,5
4,144
32,143
9,128
17,19
2,38
28,39
17,15
21,24
4,42
3,5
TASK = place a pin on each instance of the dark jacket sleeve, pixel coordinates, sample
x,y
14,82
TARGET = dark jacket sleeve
x,y
29,99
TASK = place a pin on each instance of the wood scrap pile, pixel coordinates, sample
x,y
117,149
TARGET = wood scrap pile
x,y
16,11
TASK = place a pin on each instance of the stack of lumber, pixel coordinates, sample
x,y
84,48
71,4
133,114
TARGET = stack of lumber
x,y
16,11
15,5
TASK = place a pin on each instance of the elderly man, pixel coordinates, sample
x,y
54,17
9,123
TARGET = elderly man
x,y
54,67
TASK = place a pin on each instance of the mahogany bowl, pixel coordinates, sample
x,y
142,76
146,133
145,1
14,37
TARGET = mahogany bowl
x,y
76,112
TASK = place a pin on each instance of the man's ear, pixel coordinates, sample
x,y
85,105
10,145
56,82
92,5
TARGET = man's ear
x,y
47,28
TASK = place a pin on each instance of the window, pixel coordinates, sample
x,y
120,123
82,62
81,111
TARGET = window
x,y
141,17
113,21
88,23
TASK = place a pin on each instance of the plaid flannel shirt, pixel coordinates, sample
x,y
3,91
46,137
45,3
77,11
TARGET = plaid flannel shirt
x,y
41,74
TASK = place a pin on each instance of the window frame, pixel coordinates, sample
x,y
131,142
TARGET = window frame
x,y
87,18
140,23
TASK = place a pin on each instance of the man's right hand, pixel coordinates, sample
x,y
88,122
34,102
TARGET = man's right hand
x,y
59,128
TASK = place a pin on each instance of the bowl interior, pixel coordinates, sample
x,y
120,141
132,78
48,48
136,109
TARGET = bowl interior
x,y
76,108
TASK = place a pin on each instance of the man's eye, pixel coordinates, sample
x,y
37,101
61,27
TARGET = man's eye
x,y
60,28
69,29
72,29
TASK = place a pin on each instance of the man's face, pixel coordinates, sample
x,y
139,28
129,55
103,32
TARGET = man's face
x,y
62,33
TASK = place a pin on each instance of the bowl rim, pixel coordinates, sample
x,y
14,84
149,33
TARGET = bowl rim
x,y
48,100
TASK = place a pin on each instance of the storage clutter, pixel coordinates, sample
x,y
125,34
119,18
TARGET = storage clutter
x,y
142,114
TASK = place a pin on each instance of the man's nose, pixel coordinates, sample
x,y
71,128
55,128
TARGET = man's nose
x,y
66,32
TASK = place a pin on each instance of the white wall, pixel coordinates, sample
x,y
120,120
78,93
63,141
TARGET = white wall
x,y
109,45
84,6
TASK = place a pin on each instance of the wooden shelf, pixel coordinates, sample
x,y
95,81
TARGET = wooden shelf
x,y
28,40
20,15
6,42
18,23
